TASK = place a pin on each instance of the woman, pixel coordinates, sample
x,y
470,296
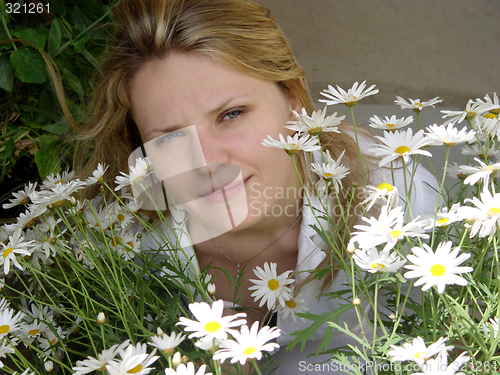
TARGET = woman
x,y
223,69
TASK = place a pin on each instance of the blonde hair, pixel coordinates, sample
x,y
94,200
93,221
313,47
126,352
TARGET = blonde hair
x,y
239,33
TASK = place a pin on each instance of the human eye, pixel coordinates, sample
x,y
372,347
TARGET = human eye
x,y
169,137
232,114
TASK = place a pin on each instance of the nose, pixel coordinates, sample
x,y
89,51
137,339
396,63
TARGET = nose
x,y
214,149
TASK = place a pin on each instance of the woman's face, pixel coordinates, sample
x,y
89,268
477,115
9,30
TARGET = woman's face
x,y
231,113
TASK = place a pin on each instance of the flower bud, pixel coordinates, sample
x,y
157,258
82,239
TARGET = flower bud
x,y
101,318
356,301
159,332
211,289
72,201
351,249
49,366
176,359
184,359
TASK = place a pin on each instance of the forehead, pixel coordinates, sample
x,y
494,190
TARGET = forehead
x,y
189,83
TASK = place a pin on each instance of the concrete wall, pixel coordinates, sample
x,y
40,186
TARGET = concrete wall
x,y
417,49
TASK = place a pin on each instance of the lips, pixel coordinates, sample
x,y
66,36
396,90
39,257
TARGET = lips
x,y
223,193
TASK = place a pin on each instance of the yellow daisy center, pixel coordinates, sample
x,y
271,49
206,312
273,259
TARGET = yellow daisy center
x,y
375,265
120,218
328,175
212,326
273,284
402,149
249,350
396,233
490,115
58,182
493,211
385,185
4,329
291,304
7,252
315,131
443,221
33,332
438,270
130,244
417,355
390,125
135,369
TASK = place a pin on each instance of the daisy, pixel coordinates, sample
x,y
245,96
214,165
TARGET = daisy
x,y
293,306
349,98
484,171
138,173
443,218
134,360
449,135
389,124
316,123
386,192
21,197
249,344
15,245
373,261
484,216
58,194
472,109
488,124
97,175
481,151
28,218
331,171
294,144
494,324
439,365
9,323
211,345
495,103
400,144
6,348
388,228
167,343
210,323
31,331
417,351
99,364
56,179
454,170
417,105
188,369
271,288
438,268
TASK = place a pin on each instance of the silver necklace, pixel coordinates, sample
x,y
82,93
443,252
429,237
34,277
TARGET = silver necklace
x,y
238,265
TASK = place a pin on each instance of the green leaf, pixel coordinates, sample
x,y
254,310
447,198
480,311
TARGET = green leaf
x,y
318,321
57,7
29,65
46,139
47,159
79,19
32,36
73,82
60,127
6,73
80,48
55,37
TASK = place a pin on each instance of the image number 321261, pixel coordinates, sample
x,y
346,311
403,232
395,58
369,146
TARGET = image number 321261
x,y
26,8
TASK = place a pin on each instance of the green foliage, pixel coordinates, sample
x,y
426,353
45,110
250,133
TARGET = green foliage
x,y
73,35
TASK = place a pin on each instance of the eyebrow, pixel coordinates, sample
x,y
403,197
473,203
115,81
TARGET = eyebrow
x,y
174,127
